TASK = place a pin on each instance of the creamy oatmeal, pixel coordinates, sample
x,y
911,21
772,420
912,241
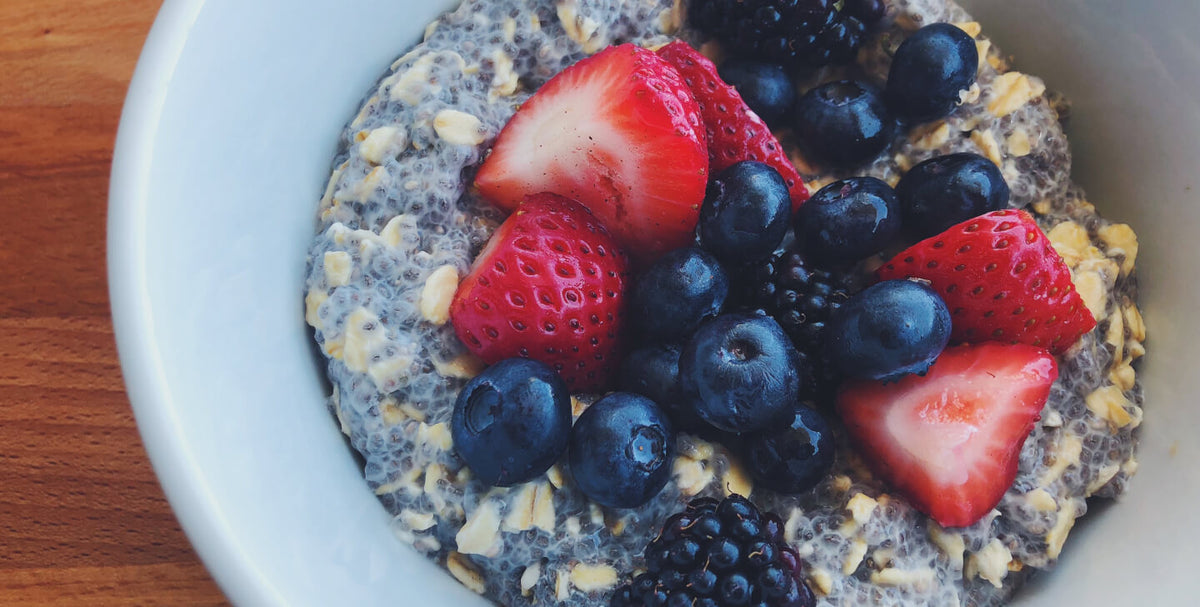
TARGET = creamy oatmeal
x,y
399,225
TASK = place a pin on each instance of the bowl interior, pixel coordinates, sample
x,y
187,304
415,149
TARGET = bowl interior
x,y
225,147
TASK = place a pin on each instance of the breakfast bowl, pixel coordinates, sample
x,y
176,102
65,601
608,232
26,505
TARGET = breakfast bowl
x,y
224,150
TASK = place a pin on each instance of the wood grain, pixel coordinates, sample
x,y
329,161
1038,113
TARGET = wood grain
x,y
82,518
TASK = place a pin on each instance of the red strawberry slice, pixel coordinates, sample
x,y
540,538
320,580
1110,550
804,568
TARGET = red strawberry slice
x,y
735,132
549,285
620,133
950,441
1002,281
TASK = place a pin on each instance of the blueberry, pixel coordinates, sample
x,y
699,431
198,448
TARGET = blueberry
x,y
765,87
512,422
621,450
673,296
843,124
653,372
795,458
745,213
848,220
947,190
740,373
929,72
890,329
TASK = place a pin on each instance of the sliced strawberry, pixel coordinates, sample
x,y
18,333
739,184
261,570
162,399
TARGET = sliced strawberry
x,y
735,133
950,441
549,285
620,133
1002,281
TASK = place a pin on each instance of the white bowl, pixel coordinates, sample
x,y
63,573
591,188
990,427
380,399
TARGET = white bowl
x,y
224,148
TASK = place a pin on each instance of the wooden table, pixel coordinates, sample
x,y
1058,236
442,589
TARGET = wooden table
x,y
82,518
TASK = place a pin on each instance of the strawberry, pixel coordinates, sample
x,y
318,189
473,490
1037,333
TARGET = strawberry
x,y
950,441
620,133
549,285
735,133
1001,279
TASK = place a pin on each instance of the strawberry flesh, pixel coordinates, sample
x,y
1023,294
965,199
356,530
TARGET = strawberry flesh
x,y
734,132
549,285
950,441
619,132
1001,279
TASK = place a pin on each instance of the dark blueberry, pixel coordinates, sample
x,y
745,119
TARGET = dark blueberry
x,y
707,526
653,372
765,87
736,508
702,582
735,590
745,213
673,296
929,72
867,11
774,582
512,422
890,329
675,527
848,220
792,459
947,190
672,579
760,553
723,554
740,373
621,450
843,124
684,553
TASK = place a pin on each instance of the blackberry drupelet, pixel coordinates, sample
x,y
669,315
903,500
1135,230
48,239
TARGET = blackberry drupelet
x,y
719,553
809,33
799,296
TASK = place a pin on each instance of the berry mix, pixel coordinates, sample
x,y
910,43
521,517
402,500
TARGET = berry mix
x,y
714,344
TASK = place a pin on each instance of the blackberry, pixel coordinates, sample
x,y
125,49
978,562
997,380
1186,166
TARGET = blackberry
x,y
799,296
720,553
809,33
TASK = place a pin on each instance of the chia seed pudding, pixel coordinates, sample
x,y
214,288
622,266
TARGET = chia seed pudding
x,y
399,225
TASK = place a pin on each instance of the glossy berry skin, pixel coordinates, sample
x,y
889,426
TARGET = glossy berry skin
x,y
792,459
512,422
621,450
1002,279
890,329
929,72
950,189
549,285
765,87
740,373
745,213
675,294
848,220
717,554
653,372
843,124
